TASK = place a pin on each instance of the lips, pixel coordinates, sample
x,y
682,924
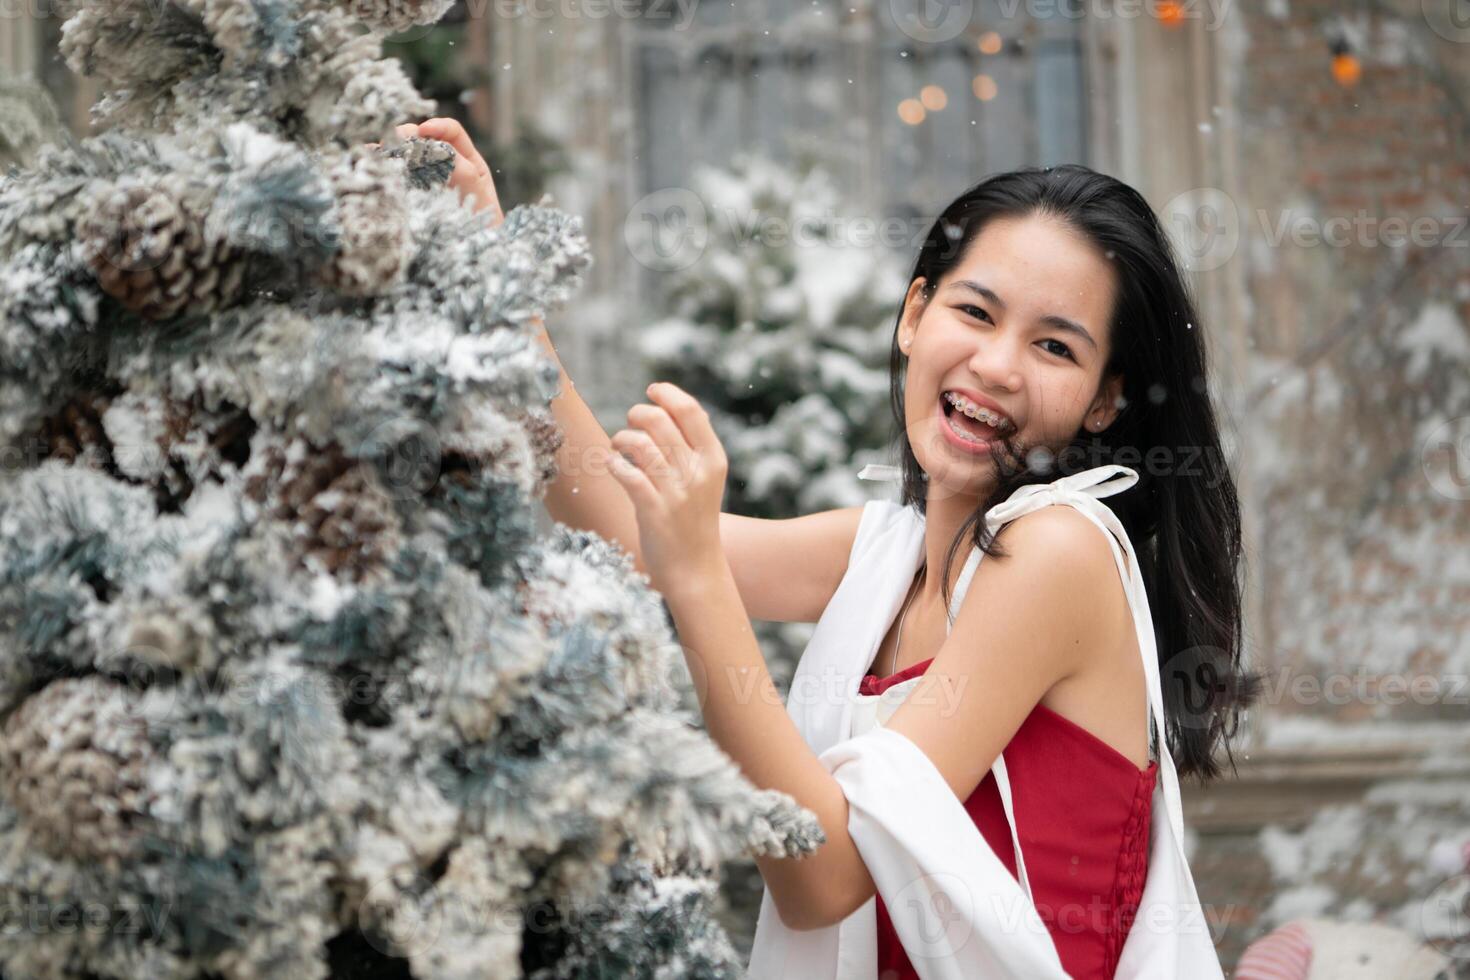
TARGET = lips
x,y
975,427
975,398
954,439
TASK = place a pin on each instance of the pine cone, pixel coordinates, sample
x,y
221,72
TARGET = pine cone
x,y
547,438
76,433
396,16
373,251
349,523
226,432
310,476
72,762
170,462
148,249
352,524
427,163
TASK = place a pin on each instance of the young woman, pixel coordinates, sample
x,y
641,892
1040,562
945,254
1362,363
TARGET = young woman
x,y
1046,336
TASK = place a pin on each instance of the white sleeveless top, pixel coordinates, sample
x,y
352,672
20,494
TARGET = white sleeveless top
x,y
957,910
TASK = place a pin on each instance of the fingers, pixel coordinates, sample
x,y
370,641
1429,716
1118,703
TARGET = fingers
x,y
446,128
664,433
634,481
451,131
471,172
403,132
648,456
692,419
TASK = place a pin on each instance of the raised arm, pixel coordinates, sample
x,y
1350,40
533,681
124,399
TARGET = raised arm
x,y
785,570
585,495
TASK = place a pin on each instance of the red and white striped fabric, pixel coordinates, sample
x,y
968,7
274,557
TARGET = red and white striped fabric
x,y
1328,949
1285,954
1343,950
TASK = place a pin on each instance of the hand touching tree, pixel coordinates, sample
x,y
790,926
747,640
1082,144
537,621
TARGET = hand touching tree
x,y
471,175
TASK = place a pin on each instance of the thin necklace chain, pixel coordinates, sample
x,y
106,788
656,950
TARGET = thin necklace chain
x,y
898,637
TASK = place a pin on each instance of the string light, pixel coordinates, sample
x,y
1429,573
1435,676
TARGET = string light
x,y
989,43
985,88
933,97
911,111
1346,68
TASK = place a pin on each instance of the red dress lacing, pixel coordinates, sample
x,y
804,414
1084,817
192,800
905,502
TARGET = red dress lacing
x,y
1082,814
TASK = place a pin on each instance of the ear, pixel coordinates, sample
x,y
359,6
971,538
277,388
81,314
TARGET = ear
x,y
1106,406
913,308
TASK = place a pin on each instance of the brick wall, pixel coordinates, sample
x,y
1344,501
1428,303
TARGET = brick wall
x,y
1359,360
1360,348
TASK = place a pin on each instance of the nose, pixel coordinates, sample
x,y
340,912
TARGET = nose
x,y
996,362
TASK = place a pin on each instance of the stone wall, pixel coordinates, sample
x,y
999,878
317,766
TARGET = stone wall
x,y
1339,226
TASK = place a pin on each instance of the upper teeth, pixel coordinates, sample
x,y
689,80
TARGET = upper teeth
x,y
975,411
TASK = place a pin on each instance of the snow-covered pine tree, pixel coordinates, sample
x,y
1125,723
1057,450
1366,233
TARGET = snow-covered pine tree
x,y
289,685
781,328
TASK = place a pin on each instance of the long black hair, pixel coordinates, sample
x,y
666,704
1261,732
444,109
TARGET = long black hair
x,y
1183,515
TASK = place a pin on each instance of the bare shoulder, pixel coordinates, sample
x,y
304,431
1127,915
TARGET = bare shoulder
x,y
1057,551
1063,534
787,570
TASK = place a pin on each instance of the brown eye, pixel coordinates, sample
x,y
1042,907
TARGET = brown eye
x,y
974,311
1065,350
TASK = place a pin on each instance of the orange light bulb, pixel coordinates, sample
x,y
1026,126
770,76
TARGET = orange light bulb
x,y
1346,69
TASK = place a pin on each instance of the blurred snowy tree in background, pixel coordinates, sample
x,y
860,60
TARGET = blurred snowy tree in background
x,y
782,330
289,685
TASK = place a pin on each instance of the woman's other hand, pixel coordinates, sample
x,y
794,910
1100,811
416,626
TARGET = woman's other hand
x,y
676,481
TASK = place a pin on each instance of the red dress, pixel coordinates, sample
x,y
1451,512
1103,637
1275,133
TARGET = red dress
x,y
1082,814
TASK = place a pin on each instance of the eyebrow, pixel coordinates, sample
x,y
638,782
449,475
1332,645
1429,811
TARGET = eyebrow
x,y
1060,322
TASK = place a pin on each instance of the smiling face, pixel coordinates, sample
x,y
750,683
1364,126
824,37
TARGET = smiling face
x,y
1020,325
